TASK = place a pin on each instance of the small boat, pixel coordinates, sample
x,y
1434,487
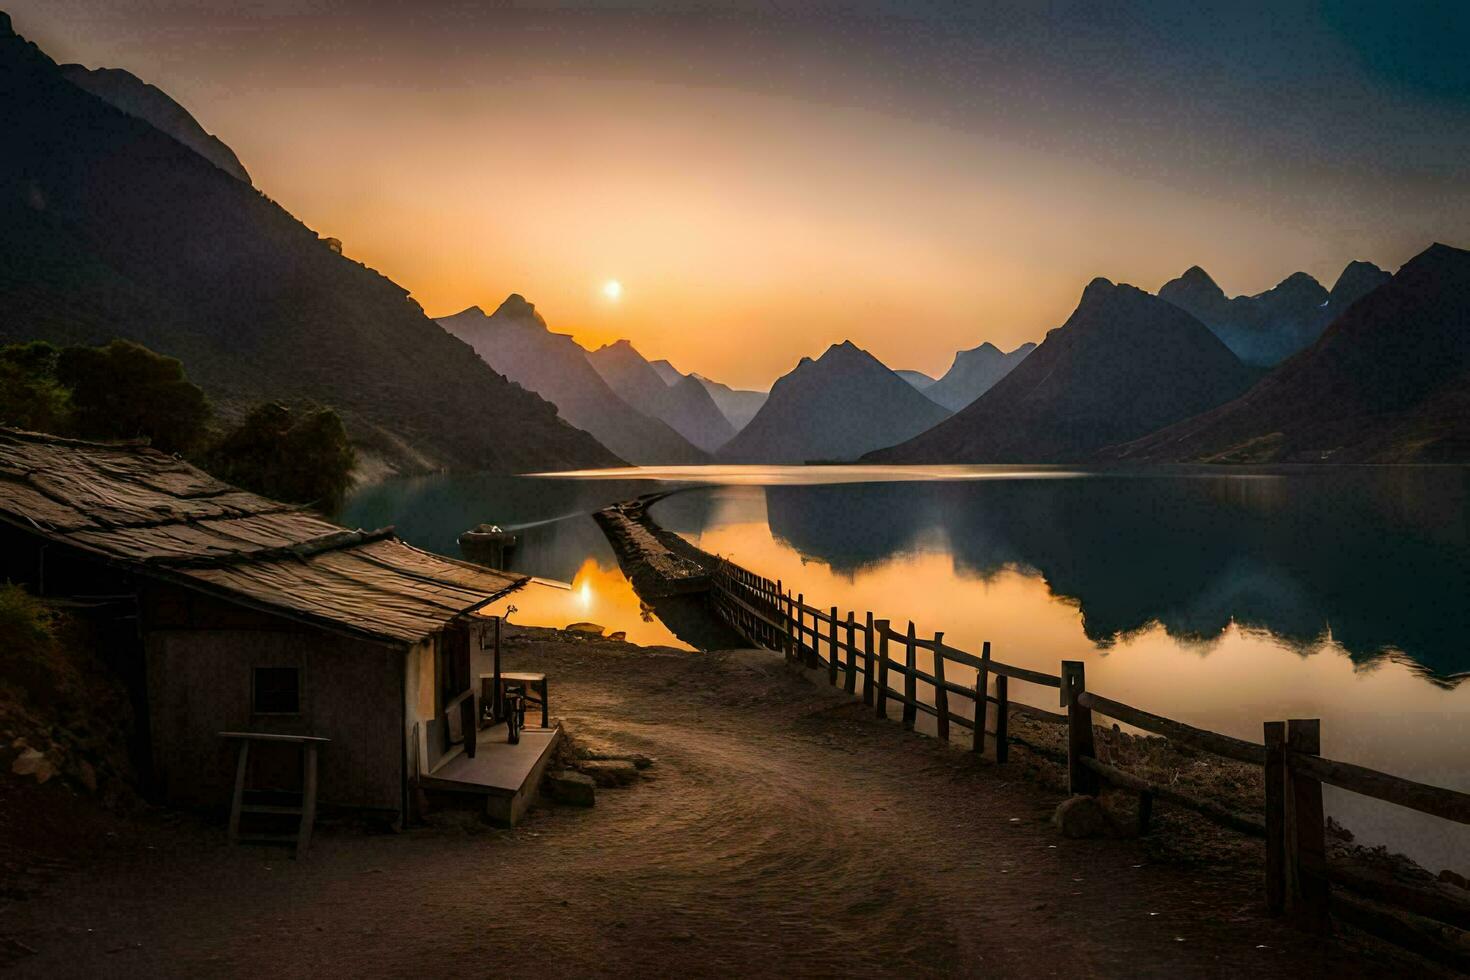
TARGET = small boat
x,y
487,544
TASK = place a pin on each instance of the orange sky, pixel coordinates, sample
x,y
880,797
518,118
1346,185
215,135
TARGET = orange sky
x,y
758,199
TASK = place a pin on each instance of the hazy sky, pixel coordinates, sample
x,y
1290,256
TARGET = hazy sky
x,y
767,178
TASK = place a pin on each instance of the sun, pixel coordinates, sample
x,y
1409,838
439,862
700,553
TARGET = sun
x,y
613,290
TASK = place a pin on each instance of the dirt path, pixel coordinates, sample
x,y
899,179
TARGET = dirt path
x,y
785,831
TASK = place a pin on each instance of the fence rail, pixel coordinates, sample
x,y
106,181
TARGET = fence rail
x,y
1298,876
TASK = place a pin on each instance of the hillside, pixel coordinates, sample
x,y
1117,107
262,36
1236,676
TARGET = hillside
x,y
973,373
685,406
154,106
110,228
1124,364
515,341
841,405
920,380
736,404
1269,327
1389,381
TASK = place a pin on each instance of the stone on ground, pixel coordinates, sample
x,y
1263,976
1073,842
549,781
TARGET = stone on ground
x,y
610,772
1082,817
591,629
571,788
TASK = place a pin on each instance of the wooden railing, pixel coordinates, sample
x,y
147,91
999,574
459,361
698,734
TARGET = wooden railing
x,y
1298,876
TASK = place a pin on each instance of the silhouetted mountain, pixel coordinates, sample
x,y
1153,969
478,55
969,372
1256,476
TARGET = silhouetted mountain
x,y
837,407
686,406
151,104
973,373
1388,382
1267,328
1357,280
110,228
667,371
515,341
1124,364
918,379
737,404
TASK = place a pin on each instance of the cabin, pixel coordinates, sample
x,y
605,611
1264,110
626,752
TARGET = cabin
x,y
232,613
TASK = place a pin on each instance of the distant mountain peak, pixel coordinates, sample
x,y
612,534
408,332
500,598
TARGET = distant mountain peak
x,y
517,307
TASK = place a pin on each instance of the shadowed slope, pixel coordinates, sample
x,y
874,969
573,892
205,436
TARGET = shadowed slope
x,y
685,405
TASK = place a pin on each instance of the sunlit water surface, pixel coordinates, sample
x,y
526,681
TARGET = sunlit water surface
x,y
1221,598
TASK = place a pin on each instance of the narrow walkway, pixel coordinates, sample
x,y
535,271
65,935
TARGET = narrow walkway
x,y
785,832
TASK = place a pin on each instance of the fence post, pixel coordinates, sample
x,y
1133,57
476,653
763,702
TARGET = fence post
x,y
1002,718
832,650
1306,843
1080,779
941,693
982,699
910,682
868,661
1275,738
776,609
882,627
850,682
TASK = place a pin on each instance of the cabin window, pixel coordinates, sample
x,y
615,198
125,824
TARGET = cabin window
x,y
276,691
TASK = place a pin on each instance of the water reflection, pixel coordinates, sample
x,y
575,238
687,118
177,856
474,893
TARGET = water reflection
x,y
1376,560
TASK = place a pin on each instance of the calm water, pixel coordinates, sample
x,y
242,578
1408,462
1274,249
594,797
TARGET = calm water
x,y
1222,598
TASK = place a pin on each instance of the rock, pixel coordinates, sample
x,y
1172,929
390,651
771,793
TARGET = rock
x,y
610,772
571,788
1450,878
33,763
1082,817
591,629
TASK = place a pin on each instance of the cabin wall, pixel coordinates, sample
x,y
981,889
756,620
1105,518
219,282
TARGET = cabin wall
x,y
201,657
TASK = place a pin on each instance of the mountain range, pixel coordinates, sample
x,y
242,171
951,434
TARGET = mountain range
x,y
685,405
111,228
1269,327
837,407
1124,364
973,373
515,341
1389,381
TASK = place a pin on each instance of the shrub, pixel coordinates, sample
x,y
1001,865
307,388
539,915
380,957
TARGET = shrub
x,y
303,459
126,391
30,395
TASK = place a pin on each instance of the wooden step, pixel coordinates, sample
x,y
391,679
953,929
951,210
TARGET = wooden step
x,y
270,808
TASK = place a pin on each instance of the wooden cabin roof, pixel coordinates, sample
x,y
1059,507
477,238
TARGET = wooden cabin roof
x,y
160,516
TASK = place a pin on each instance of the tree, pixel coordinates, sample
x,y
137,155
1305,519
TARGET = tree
x,y
30,395
126,391
306,459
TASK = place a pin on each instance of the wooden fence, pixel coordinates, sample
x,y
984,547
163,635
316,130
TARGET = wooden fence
x,y
869,654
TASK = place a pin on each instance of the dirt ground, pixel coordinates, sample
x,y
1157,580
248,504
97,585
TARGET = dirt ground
x,y
781,830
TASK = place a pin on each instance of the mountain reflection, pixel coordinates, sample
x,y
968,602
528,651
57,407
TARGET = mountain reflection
x,y
1377,559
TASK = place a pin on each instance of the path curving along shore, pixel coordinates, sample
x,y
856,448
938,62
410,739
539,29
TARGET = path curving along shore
x,y
782,831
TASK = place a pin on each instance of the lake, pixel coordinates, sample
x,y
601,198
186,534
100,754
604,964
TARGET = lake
x,y
1220,597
